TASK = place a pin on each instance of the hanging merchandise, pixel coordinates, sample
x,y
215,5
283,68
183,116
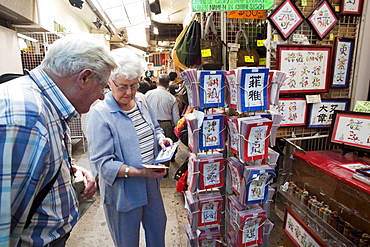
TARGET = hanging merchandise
x,y
187,46
181,45
211,49
246,56
193,44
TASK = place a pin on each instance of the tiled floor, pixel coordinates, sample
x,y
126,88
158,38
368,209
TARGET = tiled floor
x,y
92,228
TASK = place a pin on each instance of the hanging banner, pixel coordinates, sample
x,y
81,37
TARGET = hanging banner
x,y
231,5
248,14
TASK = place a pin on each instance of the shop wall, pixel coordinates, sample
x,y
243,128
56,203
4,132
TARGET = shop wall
x,y
9,48
361,87
64,14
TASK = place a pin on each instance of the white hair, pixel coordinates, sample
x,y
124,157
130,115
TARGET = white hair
x,y
74,53
130,64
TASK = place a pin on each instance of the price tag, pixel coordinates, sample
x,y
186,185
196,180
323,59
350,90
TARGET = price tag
x,y
331,36
313,98
249,59
206,53
304,3
260,42
262,61
337,8
276,38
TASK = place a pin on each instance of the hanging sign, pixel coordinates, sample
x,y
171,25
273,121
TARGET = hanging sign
x,y
362,106
231,5
248,14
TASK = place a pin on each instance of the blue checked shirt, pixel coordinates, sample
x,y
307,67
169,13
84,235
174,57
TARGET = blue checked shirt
x,y
33,126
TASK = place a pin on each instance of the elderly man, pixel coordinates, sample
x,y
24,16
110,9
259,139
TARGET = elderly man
x,y
165,106
39,205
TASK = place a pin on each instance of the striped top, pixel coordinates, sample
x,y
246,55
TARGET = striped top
x,y
145,135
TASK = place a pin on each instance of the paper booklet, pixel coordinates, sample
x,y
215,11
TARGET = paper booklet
x,y
190,81
211,88
253,94
166,155
236,173
155,166
211,170
250,224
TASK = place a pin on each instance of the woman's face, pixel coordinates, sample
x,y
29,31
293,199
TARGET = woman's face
x,y
124,91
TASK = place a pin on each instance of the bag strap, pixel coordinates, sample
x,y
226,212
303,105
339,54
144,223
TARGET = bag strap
x,y
210,25
40,197
241,31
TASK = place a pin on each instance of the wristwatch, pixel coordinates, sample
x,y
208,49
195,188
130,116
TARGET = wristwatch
x,y
126,171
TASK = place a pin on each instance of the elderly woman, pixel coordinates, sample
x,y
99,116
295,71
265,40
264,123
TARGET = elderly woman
x,y
123,134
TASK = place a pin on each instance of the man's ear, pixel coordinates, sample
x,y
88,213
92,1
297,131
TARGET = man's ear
x,y
84,76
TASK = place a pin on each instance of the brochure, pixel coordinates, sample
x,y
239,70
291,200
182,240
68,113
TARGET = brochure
x,y
167,154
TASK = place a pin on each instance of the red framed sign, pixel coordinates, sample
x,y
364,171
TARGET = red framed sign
x,y
308,67
322,19
351,7
351,129
293,111
286,18
299,232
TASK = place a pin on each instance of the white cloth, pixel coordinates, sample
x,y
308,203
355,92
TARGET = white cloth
x,y
164,104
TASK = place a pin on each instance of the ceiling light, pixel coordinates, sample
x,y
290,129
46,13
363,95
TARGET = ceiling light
x,y
107,37
76,3
155,30
98,23
26,37
155,7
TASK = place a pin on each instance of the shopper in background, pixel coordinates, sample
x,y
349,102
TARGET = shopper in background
x,y
34,141
173,76
165,107
144,86
123,134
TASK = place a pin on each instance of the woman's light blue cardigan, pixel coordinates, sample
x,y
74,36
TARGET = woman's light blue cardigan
x,y
112,141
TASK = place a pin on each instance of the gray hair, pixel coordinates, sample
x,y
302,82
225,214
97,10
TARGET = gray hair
x,y
130,64
164,80
74,53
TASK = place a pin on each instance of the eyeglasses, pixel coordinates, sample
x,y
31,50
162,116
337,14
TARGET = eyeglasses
x,y
133,87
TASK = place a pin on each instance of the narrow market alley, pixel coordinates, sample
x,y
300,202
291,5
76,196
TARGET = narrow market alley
x,y
92,229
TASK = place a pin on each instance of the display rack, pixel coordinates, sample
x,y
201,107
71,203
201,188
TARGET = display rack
x,y
327,233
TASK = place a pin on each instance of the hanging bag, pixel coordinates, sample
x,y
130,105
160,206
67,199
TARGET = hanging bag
x,y
193,36
175,59
211,49
246,57
180,47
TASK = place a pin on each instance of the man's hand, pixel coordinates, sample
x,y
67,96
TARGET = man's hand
x,y
90,187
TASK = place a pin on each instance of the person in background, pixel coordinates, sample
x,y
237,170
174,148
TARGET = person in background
x,y
144,86
165,107
123,135
173,76
172,88
35,145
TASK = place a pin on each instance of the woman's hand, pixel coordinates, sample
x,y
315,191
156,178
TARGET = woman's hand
x,y
164,141
156,172
90,187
